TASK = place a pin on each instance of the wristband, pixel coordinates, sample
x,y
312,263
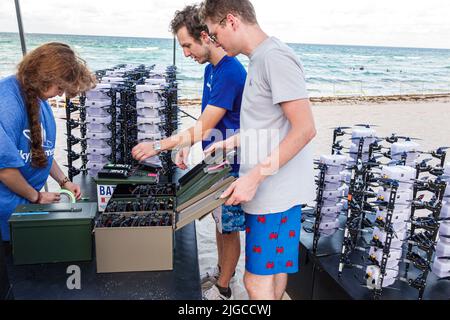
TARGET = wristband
x,y
38,198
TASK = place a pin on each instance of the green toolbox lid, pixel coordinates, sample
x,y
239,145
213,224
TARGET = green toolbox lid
x,y
56,211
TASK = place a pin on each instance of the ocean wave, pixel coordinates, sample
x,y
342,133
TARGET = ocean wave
x,y
143,49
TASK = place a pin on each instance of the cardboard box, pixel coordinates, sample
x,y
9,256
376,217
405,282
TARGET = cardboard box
x,y
129,249
58,232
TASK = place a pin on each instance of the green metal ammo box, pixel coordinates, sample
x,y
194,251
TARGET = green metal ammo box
x,y
51,233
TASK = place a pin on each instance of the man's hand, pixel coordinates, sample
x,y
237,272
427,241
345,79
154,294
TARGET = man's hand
x,y
181,158
243,189
227,145
143,151
74,188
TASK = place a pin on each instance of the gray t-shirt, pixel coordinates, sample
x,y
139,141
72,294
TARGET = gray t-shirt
x,y
275,75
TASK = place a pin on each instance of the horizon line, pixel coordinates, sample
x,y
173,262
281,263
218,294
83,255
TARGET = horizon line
x,y
161,38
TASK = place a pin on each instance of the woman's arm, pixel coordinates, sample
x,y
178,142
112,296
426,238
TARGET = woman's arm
x,y
64,182
13,179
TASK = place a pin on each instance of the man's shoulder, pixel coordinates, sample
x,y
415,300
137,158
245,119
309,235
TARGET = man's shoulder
x,y
232,68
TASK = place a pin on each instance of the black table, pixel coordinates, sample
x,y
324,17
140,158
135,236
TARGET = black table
x,y
48,281
318,277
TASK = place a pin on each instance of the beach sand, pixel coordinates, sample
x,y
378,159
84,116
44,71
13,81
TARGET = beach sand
x,y
427,119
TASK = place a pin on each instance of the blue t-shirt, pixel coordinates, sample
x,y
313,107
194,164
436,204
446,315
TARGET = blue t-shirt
x,y
15,146
223,87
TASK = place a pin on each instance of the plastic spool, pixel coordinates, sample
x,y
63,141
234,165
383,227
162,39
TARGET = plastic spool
x,y
67,196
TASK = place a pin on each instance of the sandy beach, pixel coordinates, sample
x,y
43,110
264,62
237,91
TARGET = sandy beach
x,y
427,118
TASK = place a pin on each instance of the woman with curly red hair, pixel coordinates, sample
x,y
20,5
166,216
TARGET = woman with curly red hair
x,y
28,128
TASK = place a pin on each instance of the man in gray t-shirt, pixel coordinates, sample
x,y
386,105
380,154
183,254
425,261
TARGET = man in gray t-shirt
x,y
276,165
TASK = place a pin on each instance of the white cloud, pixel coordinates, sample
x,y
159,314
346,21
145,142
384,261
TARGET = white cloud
x,y
384,22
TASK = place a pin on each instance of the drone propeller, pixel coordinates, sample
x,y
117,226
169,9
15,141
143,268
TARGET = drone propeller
x,y
365,125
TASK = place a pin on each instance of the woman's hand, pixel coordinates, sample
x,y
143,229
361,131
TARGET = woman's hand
x,y
74,188
49,197
181,158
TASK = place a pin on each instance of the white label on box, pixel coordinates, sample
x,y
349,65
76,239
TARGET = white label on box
x,y
104,193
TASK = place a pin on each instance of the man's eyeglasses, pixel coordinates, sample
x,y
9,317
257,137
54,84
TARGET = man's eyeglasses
x,y
213,36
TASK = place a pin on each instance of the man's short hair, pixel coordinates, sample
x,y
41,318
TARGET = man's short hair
x,y
189,18
216,10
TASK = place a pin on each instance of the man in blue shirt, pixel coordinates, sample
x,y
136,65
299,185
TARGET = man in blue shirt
x,y
222,95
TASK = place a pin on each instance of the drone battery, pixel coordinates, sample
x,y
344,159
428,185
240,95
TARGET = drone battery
x,y
114,81
441,268
148,93
52,233
126,167
442,250
149,128
113,174
100,92
329,218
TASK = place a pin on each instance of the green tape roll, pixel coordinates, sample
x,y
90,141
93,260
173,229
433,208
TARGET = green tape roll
x,y
70,196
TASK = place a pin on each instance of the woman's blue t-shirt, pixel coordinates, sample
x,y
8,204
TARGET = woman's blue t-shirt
x,y
15,146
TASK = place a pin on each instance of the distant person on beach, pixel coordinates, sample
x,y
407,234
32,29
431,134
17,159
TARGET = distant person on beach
x,y
224,80
277,126
28,128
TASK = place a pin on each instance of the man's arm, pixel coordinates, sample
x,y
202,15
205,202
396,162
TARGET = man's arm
x,y
299,114
202,128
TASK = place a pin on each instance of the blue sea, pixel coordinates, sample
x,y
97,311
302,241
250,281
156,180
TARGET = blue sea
x,y
331,70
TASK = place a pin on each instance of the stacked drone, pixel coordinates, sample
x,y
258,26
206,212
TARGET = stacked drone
x,y
441,265
130,104
384,202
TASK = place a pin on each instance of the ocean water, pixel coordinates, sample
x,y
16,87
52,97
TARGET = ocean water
x,y
330,70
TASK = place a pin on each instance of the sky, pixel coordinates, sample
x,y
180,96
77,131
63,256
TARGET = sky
x,y
395,23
